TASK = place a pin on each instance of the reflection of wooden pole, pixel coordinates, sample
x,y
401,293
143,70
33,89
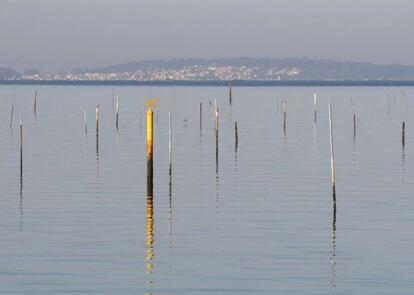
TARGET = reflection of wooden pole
x,y
403,133
332,147
149,151
333,248
230,94
21,148
170,143
117,110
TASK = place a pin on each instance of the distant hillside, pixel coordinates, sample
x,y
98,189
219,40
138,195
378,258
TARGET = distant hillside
x,y
290,68
8,73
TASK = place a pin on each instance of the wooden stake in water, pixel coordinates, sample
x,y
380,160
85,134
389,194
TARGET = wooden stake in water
x,y
84,121
216,117
403,133
216,131
354,126
21,147
11,115
170,143
332,147
314,108
284,116
201,116
97,118
150,150
236,136
97,129
230,93
35,103
117,110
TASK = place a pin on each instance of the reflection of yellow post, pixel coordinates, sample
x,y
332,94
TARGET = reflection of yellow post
x,y
150,235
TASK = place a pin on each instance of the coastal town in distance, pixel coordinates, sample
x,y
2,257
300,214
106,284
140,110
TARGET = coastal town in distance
x,y
221,69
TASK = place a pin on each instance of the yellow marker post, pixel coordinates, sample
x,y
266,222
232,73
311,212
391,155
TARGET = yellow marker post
x,y
149,152
150,104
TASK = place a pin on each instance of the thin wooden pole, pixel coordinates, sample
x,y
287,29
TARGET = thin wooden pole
x,y
97,118
403,133
84,121
170,144
215,115
97,129
230,92
11,115
217,139
117,111
354,126
332,148
35,102
314,108
201,116
284,116
236,136
21,147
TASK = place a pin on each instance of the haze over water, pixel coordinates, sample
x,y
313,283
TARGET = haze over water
x,y
261,222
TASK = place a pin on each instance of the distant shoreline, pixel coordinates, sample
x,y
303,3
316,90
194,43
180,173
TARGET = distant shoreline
x,y
245,83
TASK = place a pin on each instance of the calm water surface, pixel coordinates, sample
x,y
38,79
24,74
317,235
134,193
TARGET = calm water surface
x,y
261,221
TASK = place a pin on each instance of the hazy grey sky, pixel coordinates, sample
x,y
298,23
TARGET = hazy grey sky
x,y
62,34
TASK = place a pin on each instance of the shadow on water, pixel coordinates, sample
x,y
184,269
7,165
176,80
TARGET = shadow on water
x,y
21,194
21,178
333,246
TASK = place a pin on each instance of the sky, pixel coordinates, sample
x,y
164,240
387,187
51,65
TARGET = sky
x,y
53,35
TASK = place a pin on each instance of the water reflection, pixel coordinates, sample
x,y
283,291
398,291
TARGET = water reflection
x,y
170,211
21,198
333,246
117,135
149,242
97,169
403,176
